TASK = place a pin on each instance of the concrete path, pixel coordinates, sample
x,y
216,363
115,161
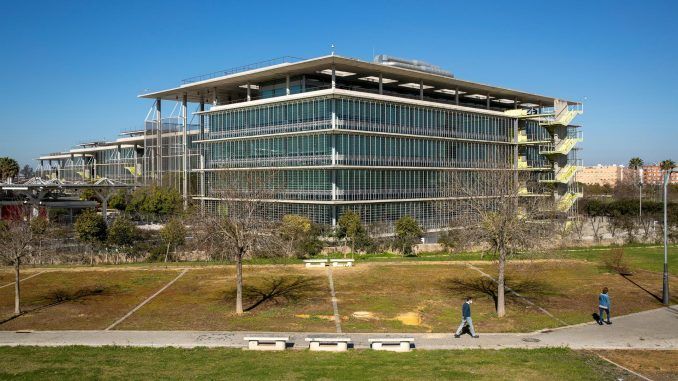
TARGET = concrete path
x,y
655,329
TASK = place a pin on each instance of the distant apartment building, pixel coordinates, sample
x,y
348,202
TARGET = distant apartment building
x,y
653,174
603,174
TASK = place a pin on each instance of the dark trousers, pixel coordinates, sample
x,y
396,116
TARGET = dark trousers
x,y
602,310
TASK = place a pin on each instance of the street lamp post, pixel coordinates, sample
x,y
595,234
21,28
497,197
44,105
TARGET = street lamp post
x,y
665,288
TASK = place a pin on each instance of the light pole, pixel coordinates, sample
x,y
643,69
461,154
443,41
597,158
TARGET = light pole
x,y
665,288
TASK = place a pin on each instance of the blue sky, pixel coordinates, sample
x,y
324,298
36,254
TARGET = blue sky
x,y
70,71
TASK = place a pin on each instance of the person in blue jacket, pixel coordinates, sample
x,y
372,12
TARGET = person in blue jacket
x,y
466,319
604,306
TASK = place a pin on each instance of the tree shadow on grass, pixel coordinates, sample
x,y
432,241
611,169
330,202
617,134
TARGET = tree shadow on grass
x,y
486,286
628,277
60,296
280,290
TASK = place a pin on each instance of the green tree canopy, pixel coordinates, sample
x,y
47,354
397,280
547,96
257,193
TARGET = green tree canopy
x,y
122,232
408,233
154,202
351,228
173,233
635,163
667,164
90,228
300,235
8,168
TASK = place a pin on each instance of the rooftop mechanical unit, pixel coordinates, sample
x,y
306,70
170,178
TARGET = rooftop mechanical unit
x,y
426,67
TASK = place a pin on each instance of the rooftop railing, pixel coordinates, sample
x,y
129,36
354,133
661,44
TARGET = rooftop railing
x,y
240,69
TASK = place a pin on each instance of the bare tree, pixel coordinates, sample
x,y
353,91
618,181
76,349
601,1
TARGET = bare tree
x,y
16,237
242,224
495,217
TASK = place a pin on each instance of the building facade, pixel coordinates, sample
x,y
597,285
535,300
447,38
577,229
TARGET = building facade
x,y
385,138
603,175
653,174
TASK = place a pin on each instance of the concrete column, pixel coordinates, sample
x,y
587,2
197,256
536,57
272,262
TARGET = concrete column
x,y
334,77
421,90
488,101
84,167
119,168
215,100
287,85
202,155
184,148
42,173
381,83
515,104
249,94
136,164
456,96
158,143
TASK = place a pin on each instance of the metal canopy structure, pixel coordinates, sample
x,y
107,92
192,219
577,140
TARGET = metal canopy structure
x,y
57,193
232,84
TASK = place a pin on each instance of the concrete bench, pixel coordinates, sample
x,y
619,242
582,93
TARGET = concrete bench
x,y
315,262
342,262
331,344
267,343
393,344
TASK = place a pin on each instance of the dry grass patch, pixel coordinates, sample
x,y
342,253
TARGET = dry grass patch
x,y
657,365
276,298
59,300
572,289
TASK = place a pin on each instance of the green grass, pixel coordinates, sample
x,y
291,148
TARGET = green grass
x,y
39,363
650,258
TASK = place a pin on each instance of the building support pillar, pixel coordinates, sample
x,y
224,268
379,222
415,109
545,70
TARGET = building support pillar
x,y
456,96
381,84
184,147
249,92
421,90
488,101
202,156
287,85
158,141
334,77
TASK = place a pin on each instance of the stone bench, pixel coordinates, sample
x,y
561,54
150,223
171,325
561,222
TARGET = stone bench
x,y
393,344
315,262
342,262
331,344
267,343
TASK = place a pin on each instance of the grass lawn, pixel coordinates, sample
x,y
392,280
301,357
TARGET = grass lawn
x,y
79,299
233,364
657,365
569,290
281,298
414,294
649,258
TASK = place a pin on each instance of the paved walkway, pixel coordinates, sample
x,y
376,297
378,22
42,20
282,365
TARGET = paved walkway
x,y
655,329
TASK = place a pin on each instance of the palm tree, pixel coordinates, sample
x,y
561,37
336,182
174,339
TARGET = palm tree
x,y
636,163
667,164
8,168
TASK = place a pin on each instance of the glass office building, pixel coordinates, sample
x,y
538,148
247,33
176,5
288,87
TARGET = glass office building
x,y
384,138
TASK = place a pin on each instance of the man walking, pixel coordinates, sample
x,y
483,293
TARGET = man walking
x,y
604,306
466,319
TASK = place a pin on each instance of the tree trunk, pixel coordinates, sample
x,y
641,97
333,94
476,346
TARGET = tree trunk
x,y
167,252
17,288
238,286
501,309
